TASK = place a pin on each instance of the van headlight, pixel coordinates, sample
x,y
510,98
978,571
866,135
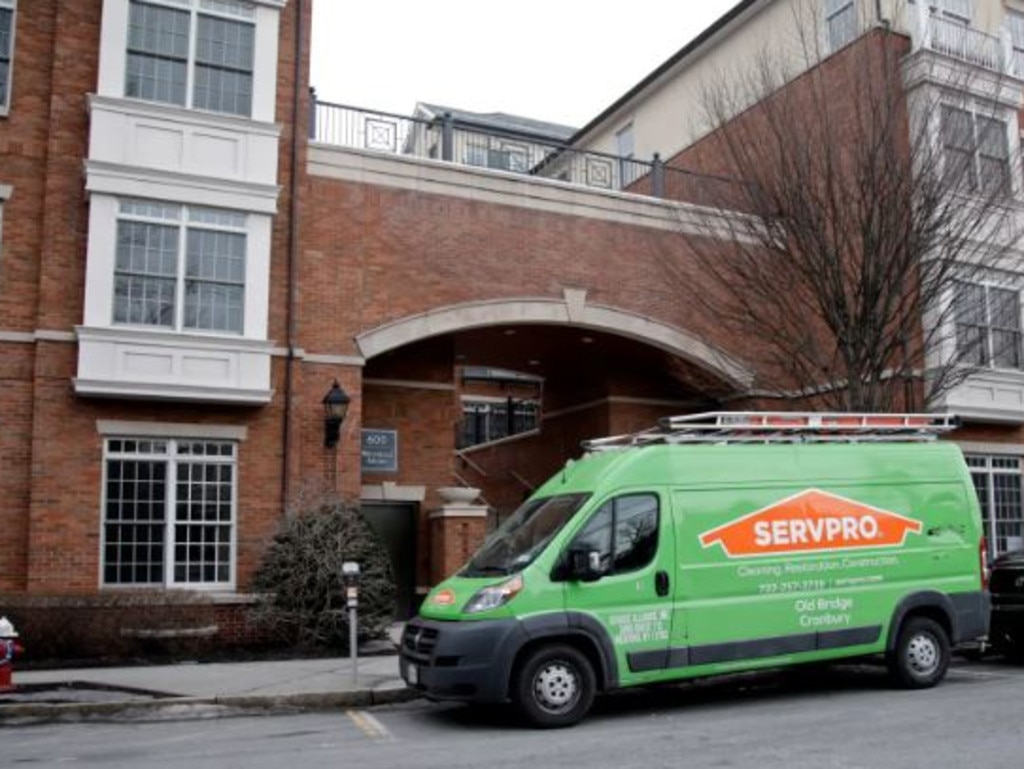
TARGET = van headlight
x,y
493,596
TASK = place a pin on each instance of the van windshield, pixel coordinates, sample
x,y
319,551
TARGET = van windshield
x,y
522,537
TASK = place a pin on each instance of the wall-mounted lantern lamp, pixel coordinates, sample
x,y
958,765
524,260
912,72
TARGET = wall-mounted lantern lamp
x,y
335,408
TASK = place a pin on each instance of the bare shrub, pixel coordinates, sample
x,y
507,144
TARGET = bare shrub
x,y
299,580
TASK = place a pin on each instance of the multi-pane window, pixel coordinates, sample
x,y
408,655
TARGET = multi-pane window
x,y
976,152
169,512
625,149
1015,23
180,267
624,532
6,51
491,420
988,326
194,53
506,157
997,480
840,23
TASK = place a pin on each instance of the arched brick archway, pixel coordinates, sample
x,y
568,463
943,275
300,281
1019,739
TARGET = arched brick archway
x,y
572,310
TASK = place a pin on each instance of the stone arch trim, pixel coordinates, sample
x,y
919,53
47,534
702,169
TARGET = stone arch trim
x,y
570,311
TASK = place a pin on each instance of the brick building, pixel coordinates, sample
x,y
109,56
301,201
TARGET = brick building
x,y
184,274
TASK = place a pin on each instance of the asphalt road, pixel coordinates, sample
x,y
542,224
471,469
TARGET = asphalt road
x,y
842,717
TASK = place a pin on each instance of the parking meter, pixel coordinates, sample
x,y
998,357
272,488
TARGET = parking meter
x,y
350,577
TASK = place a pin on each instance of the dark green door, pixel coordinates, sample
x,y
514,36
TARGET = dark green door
x,y
395,524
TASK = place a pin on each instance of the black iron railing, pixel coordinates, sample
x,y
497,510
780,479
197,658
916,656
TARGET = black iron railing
x,y
447,140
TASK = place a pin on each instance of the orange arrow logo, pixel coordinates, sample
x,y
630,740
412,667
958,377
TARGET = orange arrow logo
x,y
811,521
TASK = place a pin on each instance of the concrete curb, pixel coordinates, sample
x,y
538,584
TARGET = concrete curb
x,y
307,701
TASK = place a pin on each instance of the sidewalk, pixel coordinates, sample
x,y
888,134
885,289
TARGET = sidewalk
x,y
206,689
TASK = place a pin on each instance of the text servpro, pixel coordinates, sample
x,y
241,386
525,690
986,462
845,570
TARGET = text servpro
x,y
793,531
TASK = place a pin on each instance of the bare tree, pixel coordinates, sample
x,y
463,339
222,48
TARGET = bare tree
x,y
864,210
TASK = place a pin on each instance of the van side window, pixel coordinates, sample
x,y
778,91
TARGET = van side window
x,y
636,532
624,531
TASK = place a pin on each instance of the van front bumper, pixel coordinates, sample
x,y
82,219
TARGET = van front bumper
x,y
469,661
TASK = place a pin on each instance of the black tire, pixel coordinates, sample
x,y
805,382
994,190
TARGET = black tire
x,y
554,686
921,656
1007,641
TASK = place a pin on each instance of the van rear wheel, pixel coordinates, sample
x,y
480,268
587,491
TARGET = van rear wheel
x,y
554,686
921,656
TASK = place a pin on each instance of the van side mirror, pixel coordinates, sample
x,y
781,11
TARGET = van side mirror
x,y
585,565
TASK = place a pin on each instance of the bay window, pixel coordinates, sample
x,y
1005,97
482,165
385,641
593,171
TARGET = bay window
x,y
976,153
192,53
988,326
180,267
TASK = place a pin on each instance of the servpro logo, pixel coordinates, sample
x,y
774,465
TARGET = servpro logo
x,y
808,522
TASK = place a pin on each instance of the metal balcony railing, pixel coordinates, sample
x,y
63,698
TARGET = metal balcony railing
x,y
447,140
966,43
959,40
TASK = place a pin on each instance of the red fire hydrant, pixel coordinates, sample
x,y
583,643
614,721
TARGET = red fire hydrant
x,y
9,646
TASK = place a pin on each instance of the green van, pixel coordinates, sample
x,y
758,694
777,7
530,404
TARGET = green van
x,y
712,544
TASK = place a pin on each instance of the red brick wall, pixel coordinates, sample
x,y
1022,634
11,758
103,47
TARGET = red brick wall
x,y
50,451
366,256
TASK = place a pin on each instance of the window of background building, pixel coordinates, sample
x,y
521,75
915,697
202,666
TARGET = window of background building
x,y
976,153
1015,24
840,23
997,480
485,420
6,52
169,512
180,267
625,149
988,326
192,54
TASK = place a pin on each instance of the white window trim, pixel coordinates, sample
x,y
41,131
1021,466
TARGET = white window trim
x,y
5,106
990,526
104,214
208,8
988,285
984,447
975,112
184,224
168,581
116,428
827,17
114,57
625,138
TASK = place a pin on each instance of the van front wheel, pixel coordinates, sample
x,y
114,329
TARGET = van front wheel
x,y
554,686
921,656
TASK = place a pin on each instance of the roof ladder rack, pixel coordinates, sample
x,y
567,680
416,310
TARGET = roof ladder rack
x,y
783,427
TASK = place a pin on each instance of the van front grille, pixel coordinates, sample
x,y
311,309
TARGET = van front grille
x,y
419,642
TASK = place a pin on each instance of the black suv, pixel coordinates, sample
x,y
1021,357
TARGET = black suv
x,y
1006,584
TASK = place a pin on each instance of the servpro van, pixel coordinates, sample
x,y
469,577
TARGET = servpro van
x,y
715,543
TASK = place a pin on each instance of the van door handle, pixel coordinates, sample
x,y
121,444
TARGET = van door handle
x,y
661,583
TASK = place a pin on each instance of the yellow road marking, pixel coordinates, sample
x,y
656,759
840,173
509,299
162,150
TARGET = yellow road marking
x,y
369,725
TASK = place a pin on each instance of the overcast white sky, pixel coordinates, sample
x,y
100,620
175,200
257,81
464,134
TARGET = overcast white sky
x,y
557,60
